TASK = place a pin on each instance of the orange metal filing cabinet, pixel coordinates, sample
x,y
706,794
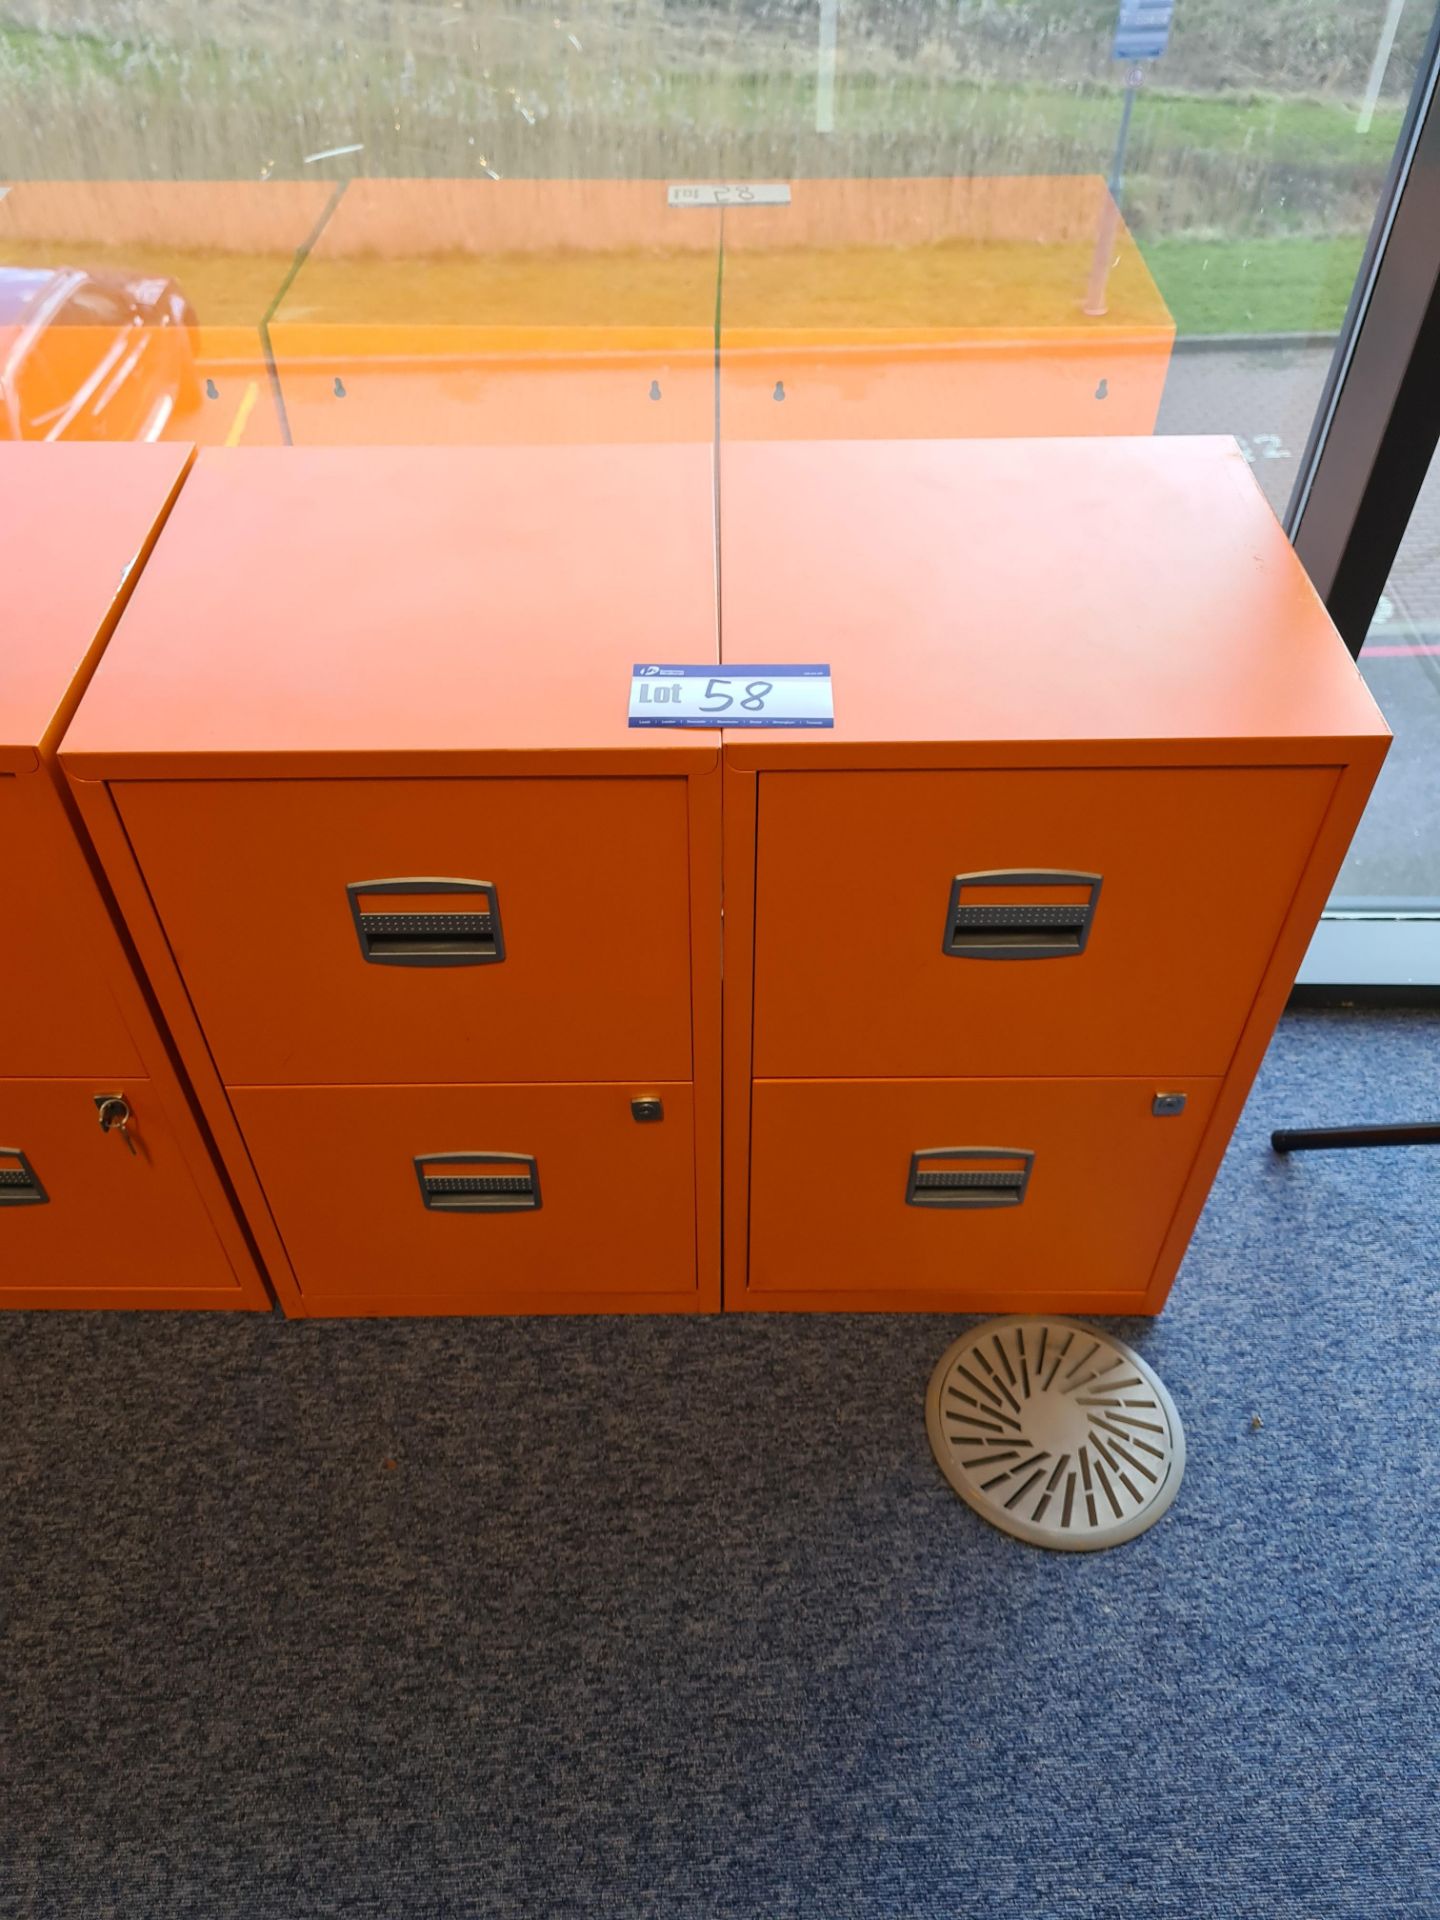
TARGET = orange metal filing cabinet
x,y
891,309
1004,949
109,1196
438,936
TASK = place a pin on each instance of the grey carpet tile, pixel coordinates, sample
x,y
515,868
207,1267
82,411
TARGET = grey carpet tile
x,y
666,1617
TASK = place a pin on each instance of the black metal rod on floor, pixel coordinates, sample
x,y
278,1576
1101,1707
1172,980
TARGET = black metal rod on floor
x,y
1309,1139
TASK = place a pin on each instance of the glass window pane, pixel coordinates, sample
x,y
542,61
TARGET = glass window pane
x,y
441,220
1395,858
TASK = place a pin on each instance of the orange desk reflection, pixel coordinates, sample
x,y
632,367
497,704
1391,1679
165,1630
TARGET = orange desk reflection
x,y
134,310
918,309
502,311
405,311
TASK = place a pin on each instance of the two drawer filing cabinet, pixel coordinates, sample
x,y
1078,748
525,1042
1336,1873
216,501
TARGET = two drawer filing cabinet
x,y
1004,949
437,935
109,1195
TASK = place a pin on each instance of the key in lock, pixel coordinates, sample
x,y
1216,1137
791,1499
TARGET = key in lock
x,y
113,1112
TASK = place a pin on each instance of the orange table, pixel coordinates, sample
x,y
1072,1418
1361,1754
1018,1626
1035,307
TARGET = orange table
x,y
226,244
503,311
891,309
84,1220
437,935
1004,949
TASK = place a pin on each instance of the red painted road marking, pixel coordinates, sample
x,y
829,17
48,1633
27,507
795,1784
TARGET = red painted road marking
x,y
1367,652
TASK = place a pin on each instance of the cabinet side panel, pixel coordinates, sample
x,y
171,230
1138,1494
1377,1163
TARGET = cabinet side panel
x,y
1347,802
61,964
706,1027
107,836
738,1018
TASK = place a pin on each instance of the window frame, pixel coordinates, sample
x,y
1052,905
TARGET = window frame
x,y
1370,449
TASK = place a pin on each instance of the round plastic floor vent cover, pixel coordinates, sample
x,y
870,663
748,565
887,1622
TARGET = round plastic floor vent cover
x,y
1055,1432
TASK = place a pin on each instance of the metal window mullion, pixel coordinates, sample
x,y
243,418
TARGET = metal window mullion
x,y
1379,418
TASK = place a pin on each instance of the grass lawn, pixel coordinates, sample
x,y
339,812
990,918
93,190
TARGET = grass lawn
x,y
1295,285
1302,131
652,105
80,105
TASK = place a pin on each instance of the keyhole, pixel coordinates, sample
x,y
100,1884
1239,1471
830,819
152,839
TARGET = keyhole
x,y
1102,392
339,388
114,1112
212,392
654,389
779,393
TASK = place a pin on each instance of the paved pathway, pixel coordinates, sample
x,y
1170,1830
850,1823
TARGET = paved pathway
x,y
1266,397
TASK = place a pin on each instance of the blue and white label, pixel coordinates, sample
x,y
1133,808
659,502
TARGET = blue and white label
x,y
1142,31
793,696
733,193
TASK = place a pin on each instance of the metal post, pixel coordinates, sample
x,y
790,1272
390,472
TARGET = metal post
x,y
825,66
1110,212
1383,50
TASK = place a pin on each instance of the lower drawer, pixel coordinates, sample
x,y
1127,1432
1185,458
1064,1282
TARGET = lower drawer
x,y
86,1222
479,1199
983,1195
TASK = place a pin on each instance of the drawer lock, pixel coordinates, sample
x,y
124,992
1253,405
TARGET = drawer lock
x,y
1040,915
968,1177
427,923
113,1112
478,1182
19,1183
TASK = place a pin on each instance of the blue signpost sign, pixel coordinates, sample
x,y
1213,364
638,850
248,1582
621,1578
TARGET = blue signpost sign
x,y
1142,32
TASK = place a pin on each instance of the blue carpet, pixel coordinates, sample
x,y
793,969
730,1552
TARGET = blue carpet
x,y
677,1618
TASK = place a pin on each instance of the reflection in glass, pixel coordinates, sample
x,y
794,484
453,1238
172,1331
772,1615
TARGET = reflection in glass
x,y
441,220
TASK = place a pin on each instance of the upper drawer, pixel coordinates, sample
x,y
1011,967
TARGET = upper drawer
x,y
566,956
1076,922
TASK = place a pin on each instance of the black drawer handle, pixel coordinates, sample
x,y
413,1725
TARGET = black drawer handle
x,y
19,1183
968,1177
409,927
478,1182
1029,927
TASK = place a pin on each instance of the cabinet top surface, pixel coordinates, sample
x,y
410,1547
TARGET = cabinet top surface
x,y
377,609
73,521
1130,591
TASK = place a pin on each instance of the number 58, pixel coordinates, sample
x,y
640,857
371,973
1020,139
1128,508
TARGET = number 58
x,y
754,702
